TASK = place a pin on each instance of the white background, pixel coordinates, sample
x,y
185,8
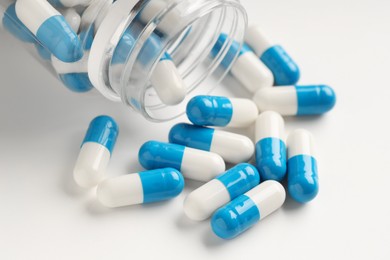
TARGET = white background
x,y
43,215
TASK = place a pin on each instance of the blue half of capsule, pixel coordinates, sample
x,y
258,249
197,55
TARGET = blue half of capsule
x,y
58,37
161,184
240,179
314,100
14,26
210,111
234,218
102,130
155,155
285,70
150,50
271,158
76,82
235,50
302,180
43,52
197,137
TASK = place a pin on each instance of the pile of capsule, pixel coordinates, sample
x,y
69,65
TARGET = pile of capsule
x,y
63,32
239,197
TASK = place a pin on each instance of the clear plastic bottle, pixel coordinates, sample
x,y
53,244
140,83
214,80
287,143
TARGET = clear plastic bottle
x,y
121,68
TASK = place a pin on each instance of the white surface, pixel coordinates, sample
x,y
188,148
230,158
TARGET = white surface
x,y
233,148
201,165
268,197
252,72
269,124
255,38
45,216
299,142
202,202
33,13
283,100
121,191
244,112
168,84
91,165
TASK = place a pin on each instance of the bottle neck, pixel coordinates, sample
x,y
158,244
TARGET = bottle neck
x,y
127,39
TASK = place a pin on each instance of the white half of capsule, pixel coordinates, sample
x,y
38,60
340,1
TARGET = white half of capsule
x,y
128,191
95,13
202,202
245,112
200,165
170,20
73,3
73,19
283,100
268,197
251,72
80,66
269,124
168,83
255,38
91,164
33,13
300,142
233,148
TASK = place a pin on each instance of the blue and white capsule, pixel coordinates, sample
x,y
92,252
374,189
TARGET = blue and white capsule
x,y
246,210
296,100
233,148
140,188
202,202
165,78
50,28
221,111
271,151
302,170
69,3
74,75
13,25
247,69
192,163
285,70
95,152
167,22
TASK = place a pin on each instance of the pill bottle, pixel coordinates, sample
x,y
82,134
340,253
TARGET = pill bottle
x,y
184,30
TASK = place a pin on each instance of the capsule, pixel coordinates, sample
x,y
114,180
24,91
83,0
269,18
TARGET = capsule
x,y
221,111
285,70
202,202
73,19
271,149
140,188
246,210
43,53
95,151
233,148
167,82
247,69
165,24
296,100
74,75
95,13
14,26
165,77
50,28
192,163
302,170
69,3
